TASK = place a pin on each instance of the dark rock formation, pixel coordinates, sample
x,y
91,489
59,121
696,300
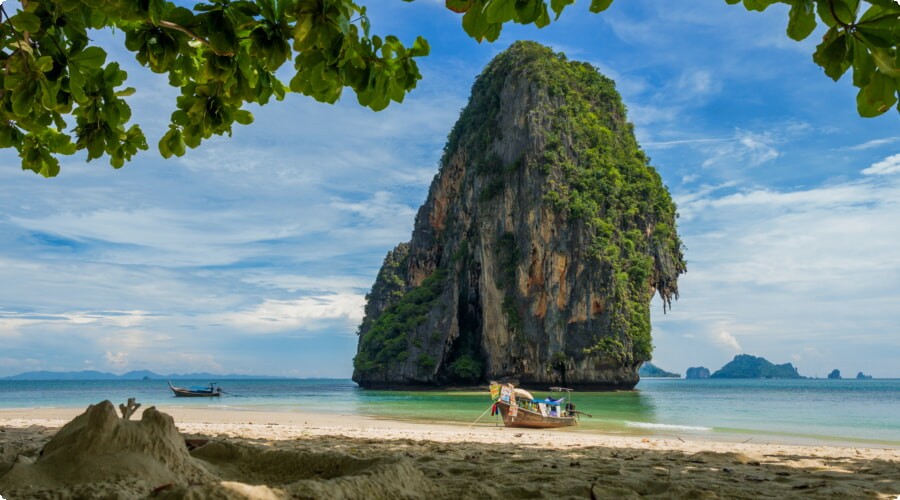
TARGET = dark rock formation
x,y
697,372
648,369
747,366
863,376
543,238
835,374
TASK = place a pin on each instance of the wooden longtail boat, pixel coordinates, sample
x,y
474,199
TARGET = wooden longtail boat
x,y
533,419
210,391
518,408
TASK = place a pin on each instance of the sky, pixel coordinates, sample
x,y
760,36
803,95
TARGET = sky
x,y
253,254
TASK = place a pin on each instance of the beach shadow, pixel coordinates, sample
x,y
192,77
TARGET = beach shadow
x,y
344,467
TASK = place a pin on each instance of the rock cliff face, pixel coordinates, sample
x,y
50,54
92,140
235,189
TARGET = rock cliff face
x,y
697,372
543,238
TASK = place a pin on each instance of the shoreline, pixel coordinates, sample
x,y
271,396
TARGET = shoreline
x,y
266,424
190,418
242,454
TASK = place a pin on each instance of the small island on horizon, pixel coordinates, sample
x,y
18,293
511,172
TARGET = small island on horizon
x,y
748,366
649,370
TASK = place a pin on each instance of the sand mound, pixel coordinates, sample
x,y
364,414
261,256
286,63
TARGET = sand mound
x,y
99,446
99,455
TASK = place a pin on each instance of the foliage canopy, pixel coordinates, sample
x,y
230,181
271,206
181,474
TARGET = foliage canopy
x,y
223,54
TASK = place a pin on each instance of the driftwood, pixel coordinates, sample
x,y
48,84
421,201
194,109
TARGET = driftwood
x,y
129,408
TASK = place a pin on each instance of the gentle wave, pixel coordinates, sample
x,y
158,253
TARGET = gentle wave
x,y
668,427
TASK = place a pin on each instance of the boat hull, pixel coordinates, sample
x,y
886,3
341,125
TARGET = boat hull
x,y
182,393
532,419
187,393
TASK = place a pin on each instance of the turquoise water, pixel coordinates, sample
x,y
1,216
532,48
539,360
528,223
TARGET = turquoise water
x,y
860,412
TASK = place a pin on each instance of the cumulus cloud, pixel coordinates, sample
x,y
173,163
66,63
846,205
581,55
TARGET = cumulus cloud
x,y
117,359
725,339
308,313
889,165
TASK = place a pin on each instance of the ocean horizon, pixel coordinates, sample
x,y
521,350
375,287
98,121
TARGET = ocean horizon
x,y
804,411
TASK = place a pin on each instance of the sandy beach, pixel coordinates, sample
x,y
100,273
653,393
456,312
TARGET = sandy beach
x,y
252,454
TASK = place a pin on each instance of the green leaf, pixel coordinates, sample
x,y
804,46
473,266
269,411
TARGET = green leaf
x,y
459,6
243,117
844,9
500,11
599,5
23,98
880,26
558,5
863,63
45,63
758,5
802,20
832,54
876,97
26,21
475,24
90,57
420,48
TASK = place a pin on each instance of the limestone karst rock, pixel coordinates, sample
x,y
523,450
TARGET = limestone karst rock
x,y
697,372
542,240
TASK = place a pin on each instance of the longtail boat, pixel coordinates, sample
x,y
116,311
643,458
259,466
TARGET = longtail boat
x,y
209,391
519,408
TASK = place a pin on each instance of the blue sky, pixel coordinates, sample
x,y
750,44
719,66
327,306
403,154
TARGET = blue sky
x,y
253,254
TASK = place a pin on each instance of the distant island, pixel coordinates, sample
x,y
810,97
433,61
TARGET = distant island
x,y
747,366
697,372
132,375
649,370
834,375
863,376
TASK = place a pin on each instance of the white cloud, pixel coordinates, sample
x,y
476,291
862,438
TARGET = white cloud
x,y
294,283
874,143
307,313
12,321
745,149
726,340
117,359
889,165
775,272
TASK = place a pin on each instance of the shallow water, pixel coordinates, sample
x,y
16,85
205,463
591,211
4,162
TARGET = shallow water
x,y
862,412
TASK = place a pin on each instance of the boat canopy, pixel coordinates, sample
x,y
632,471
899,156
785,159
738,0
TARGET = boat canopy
x,y
552,402
522,393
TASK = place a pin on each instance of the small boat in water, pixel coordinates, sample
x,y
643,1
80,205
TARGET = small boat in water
x,y
209,391
519,408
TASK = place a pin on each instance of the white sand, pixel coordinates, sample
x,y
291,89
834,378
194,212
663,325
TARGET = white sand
x,y
254,454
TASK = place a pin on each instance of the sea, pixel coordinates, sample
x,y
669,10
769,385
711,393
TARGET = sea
x,y
863,413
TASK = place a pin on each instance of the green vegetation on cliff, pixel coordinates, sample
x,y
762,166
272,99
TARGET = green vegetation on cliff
x,y
607,182
388,336
747,366
596,173
552,232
